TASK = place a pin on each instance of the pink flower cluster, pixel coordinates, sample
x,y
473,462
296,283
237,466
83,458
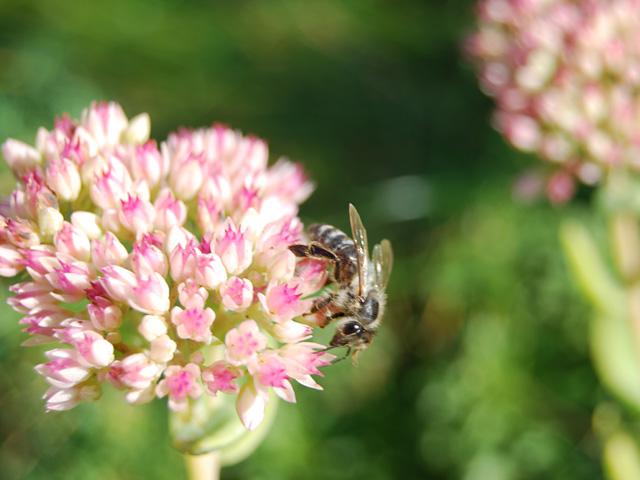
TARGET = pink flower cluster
x,y
565,75
162,270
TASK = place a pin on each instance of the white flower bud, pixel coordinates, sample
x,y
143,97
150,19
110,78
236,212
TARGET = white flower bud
x,y
152,326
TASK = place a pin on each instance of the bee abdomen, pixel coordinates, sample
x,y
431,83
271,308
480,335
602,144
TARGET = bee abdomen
x,y
338,242
333,238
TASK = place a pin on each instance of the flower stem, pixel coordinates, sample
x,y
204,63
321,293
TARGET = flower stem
x,y
203,467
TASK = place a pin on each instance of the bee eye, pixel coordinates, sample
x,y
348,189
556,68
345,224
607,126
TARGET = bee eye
x,y
352,328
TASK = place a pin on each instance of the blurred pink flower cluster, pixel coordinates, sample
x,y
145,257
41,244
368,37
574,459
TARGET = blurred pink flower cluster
x,y
162,270
566,78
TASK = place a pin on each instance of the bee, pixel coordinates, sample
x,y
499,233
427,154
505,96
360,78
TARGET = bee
x,y
359,300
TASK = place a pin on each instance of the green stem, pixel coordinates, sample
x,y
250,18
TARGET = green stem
x,y
203,467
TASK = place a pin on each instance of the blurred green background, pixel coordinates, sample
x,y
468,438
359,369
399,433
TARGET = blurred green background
x,y
481,370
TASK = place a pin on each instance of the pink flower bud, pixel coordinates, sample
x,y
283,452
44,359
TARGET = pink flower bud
x,y
162,349
57,400
19,156
105,122
281,266
138,130
63,178
311,274
37,195
111,185
18,205
270,371
292,332
105,317
560,187
288,181
108,251
179,383
103,314
29,296
170,212
247,197
303,360
283,302
88,223
177,236
42,325
279,235
237,294
220,377
152,326
147,257
209,214
70,278
522,131
118,282
251,405
39,260
134,371
217,189
244,342
50,220
136,214
183,261
191,295
210,271
150,294
234,249
193,323
20,233
63,370
146,163
73,241
92,348
138,397
186,179
251,154
110,221
273,209
10,261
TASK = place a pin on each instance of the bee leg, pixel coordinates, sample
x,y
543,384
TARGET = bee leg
x,y
319,251
345,356
313,250
299,250
321,303
320,306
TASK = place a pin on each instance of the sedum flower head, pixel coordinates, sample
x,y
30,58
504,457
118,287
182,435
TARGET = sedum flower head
x,y
162,270
565,75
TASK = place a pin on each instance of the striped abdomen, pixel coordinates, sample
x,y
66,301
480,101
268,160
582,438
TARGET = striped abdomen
x,y
342,245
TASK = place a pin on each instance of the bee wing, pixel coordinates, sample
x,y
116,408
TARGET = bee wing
x,y
382,263
362,247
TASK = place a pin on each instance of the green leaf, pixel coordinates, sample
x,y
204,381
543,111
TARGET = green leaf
x,y
589,269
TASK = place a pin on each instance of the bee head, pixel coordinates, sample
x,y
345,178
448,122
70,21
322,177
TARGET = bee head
x,y
352,334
